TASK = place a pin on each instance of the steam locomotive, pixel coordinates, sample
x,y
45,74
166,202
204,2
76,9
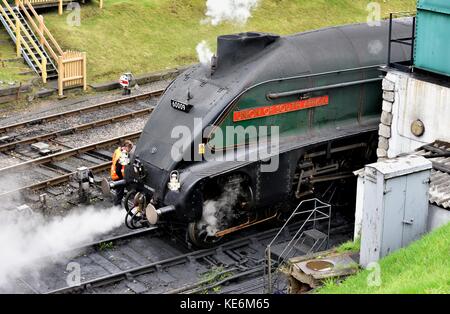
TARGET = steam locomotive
x,y
269,121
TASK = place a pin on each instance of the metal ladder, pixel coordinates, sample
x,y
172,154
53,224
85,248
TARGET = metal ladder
x,y
52,72
307,239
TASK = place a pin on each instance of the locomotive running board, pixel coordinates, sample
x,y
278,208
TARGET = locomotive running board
x,y
243,226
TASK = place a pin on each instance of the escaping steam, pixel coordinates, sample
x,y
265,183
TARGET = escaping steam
x,y
235,11
204,53
26,238
218,213
218,11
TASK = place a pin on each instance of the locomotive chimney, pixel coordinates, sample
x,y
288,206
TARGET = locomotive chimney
x,y
233,49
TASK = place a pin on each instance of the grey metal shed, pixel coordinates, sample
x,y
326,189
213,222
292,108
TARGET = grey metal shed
x,y
395,207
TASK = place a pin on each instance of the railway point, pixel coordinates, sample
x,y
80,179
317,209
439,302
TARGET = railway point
x,y
228,150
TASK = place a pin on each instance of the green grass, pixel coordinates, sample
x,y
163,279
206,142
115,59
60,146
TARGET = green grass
x,y
150,35
422,267
350,246
9,71
106,246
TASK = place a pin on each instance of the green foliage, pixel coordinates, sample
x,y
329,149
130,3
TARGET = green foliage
x,y
349,246
106,246
422,267
152,35
9,71
215,275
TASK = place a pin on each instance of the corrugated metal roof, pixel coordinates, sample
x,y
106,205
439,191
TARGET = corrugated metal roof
x,y
438,153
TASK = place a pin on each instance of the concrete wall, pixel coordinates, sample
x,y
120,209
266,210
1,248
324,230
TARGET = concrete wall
x,y
437,217
406,99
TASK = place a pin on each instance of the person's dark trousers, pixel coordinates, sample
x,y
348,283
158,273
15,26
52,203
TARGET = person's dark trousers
x,y
120,193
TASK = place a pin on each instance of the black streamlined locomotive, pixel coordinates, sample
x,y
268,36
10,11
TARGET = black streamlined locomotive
x,y
269,121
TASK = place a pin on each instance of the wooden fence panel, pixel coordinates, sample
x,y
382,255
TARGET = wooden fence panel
x,y
72,70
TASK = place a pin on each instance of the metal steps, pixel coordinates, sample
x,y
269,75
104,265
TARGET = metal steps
x,y
309,242
52,72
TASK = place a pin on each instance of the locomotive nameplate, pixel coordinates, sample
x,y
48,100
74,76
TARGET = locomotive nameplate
x,y
255,113
180,106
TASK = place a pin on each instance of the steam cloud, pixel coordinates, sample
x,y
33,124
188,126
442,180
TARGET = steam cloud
x,y
235,11
218,11
218,213
204,53
26,238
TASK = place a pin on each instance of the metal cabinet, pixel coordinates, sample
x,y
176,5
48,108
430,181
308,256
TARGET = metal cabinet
x,y
432,46
395,205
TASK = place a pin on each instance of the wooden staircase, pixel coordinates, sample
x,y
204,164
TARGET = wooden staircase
x,y
38,47
33,55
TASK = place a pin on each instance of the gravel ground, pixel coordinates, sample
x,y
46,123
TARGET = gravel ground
x,y
6,161
65,123
105,132
46,107
62,198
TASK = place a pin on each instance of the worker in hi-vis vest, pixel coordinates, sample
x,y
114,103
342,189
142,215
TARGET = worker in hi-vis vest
x,y
119,160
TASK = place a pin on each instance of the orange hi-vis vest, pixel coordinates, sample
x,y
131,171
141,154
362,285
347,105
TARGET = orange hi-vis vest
x,y
115,159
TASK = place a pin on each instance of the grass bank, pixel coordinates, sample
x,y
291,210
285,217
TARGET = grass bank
x,y
422,267
9,71
150,35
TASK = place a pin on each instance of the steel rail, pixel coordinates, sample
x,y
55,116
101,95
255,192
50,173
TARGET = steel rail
x,y
54,181
93,245
70,152
238,275
81,127
113,239
108,104
188,288
154,266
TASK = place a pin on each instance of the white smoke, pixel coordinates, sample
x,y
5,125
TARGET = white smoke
x,y
218,213
25,239
11,200
218,11
204,53
235,11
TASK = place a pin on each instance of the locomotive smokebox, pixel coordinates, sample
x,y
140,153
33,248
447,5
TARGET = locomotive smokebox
x,y
235,48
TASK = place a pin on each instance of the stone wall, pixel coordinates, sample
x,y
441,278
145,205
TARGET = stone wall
x,y
386,119
407,98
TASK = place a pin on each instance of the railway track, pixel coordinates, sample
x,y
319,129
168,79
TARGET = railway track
x,y
48,168
109,104
225,267
154,261
240,257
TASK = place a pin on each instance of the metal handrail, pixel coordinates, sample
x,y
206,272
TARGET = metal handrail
x,y
401,41
298,235
289,245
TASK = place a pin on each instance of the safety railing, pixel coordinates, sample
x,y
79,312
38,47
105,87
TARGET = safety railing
x,y
41,30
71,65
60,3
405,41
309,212
21,33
